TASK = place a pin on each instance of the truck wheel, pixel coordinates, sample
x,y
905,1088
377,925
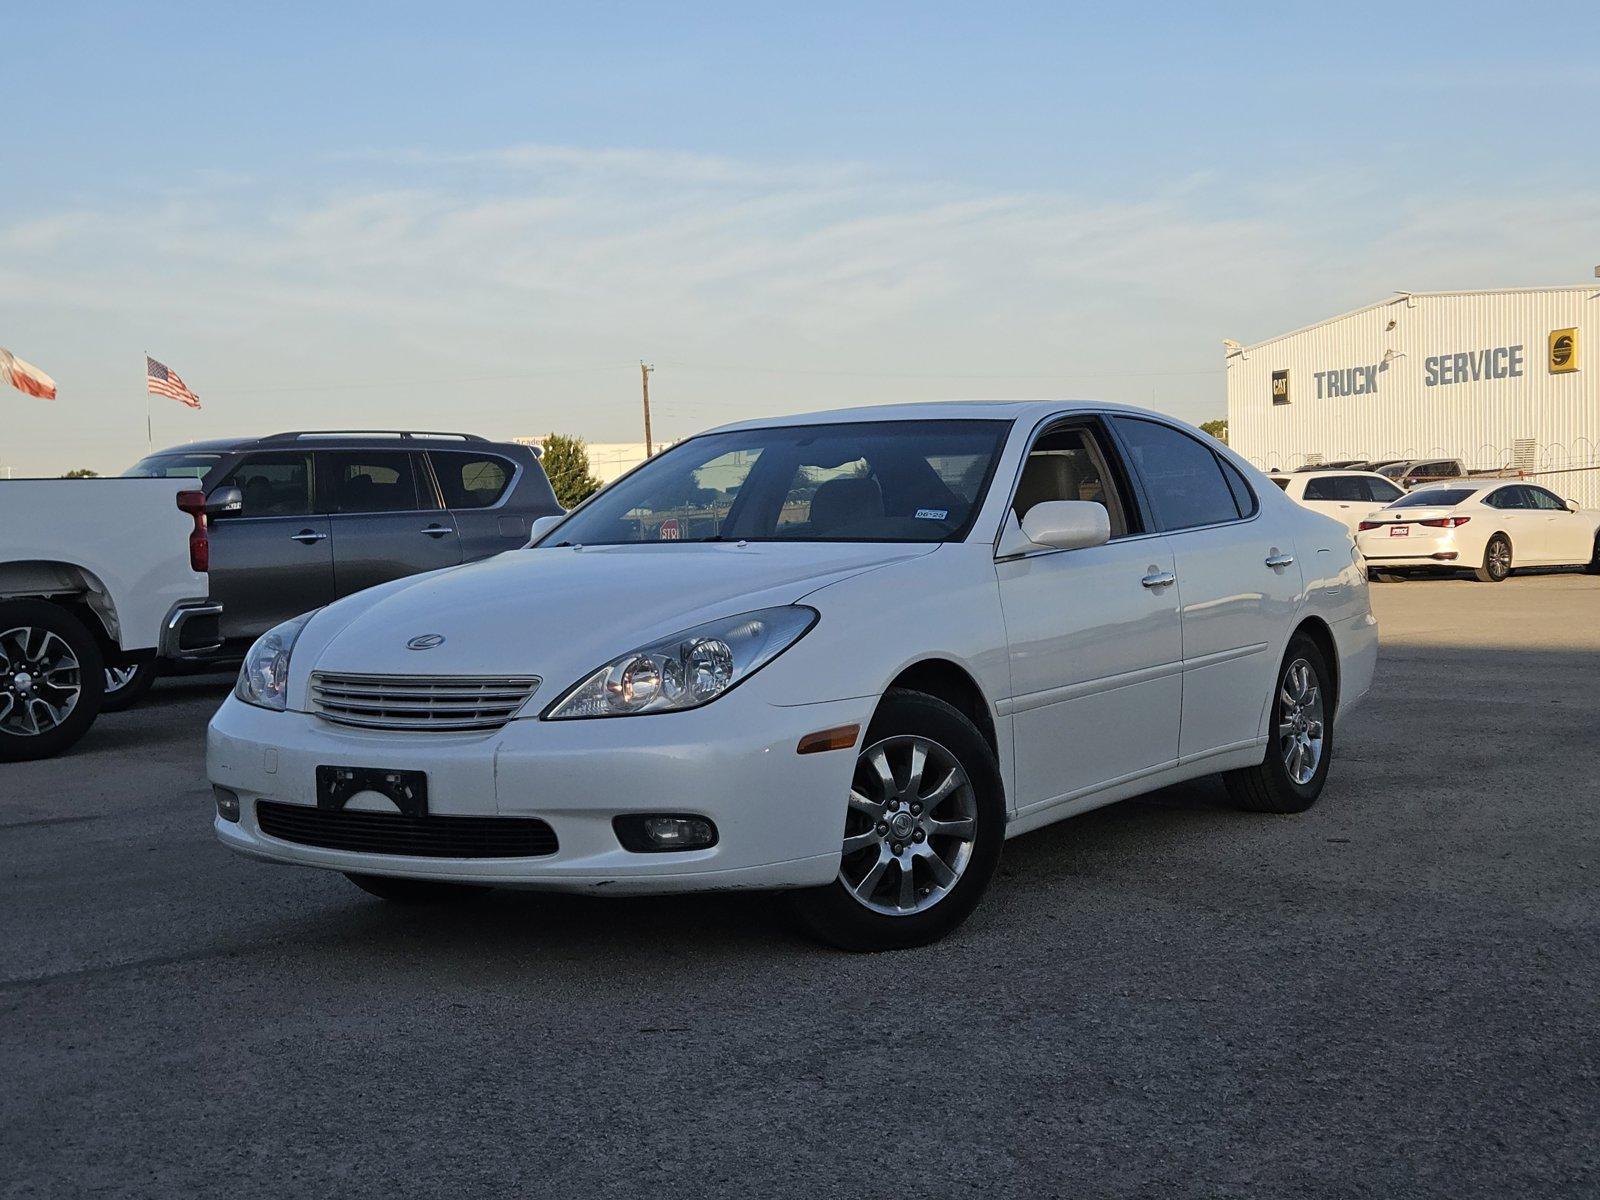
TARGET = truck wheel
x,y
52,678
128,684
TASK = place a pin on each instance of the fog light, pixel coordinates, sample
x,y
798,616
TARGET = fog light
x,y
651,833
227,803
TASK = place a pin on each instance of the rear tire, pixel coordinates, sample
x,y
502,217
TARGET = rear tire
x,y
1287,780
415,891
1496,566
127,685
52,679
923,826
1594,562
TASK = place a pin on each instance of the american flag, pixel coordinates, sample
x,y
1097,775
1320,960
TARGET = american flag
x,y
162,380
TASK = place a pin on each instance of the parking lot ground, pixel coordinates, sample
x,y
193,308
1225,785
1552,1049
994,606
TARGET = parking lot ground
x,y
1396,994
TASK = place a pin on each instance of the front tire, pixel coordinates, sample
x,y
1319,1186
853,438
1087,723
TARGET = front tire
x,y
1496,560
1300,741
52,678
414,891
923,826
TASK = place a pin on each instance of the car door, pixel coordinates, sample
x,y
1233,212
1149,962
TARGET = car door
x,y
1238,582
385,517
1567,538
1522,521
1093,634
474,486
273,559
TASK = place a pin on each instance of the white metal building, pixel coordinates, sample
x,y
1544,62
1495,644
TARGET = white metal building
x,y
1497,379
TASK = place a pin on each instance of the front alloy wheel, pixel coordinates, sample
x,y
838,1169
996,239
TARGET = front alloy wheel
x,y
51,679
911,826
923,824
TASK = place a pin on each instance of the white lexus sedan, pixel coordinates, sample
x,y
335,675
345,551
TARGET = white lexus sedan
x,y
846,655
1489,527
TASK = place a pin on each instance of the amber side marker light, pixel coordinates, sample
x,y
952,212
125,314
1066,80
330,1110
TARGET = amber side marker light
x,y
840,737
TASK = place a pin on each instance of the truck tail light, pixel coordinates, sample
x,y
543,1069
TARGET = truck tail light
x,y
194,503
1445,522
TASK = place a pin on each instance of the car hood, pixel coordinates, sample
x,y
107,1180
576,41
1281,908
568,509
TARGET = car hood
x,y
558,613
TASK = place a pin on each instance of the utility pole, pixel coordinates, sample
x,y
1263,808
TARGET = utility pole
x,y
644,380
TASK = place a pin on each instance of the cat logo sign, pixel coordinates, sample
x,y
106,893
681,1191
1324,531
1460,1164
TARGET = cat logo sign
x,y
1563,351
1280,387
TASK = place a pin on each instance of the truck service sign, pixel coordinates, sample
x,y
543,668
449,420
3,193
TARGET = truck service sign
x,y
1469,366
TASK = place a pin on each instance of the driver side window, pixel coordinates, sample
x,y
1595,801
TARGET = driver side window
x,y
1067,463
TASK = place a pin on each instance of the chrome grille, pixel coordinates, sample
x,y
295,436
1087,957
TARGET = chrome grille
x,y
438,703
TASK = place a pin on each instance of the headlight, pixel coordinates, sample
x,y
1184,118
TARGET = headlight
x,y
264,678
687,669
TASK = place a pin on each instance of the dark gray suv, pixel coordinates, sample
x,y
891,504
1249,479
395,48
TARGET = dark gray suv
x,y
296,520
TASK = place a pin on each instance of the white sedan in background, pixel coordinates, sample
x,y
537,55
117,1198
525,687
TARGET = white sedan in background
x,y
1488,527
846,654
1349,497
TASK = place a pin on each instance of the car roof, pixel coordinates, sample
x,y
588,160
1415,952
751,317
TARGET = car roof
x,y
941,410
335,440
1341,472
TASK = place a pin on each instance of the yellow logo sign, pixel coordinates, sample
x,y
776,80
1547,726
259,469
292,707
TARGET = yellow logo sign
x,y
1563,351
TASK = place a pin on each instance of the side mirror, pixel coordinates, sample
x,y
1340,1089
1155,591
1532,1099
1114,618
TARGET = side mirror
x,y
1573,505
1067,524
542,526
224,500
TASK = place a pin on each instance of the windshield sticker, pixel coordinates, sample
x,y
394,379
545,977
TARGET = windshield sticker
x,y
931,514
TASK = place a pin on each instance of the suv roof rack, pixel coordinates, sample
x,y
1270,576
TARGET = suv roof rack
x,y
402,434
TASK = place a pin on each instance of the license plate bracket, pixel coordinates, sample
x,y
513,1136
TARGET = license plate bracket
x,y
407,790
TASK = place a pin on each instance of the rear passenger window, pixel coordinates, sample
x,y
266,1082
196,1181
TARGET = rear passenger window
x,y
1184,480
471,480
273,485
1243,495
369,481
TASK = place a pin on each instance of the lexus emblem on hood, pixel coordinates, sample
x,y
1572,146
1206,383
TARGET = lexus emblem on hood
x,y
425,641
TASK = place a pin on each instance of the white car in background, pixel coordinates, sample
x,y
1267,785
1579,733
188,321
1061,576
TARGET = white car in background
x,y
845,654
1489,527
1349,497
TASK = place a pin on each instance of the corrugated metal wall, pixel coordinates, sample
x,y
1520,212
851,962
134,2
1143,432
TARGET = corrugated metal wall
x,y
1391,412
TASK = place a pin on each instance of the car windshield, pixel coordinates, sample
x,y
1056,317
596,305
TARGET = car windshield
x,y
878,481
1393,470
1433,498
173,466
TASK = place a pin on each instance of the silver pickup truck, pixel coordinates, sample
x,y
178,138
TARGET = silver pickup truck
x,y
297,520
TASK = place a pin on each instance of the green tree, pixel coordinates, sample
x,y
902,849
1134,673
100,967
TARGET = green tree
x,y
566,462
81,473
1217,429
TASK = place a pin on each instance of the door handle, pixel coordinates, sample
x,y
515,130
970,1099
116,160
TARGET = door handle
x,y
1278,561
1158,579
307,536
436,531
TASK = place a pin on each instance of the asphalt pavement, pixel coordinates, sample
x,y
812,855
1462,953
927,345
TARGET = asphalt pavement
x,y
1396,994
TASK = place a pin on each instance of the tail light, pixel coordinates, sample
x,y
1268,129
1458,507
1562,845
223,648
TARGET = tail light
x,y
1445,522
194,503
1369,525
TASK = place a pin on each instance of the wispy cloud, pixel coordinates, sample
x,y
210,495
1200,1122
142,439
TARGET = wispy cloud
x,y
530,259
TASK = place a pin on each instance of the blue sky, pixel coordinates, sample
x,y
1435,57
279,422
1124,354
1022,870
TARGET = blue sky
x,y
483,215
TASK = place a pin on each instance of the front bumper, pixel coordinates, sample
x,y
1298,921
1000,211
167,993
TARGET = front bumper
x,y
779,815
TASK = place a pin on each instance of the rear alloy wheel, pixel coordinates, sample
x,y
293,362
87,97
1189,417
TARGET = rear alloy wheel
x,y
923,826
128,684
415,891
1300,741
1594,562
51,679
1496,560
